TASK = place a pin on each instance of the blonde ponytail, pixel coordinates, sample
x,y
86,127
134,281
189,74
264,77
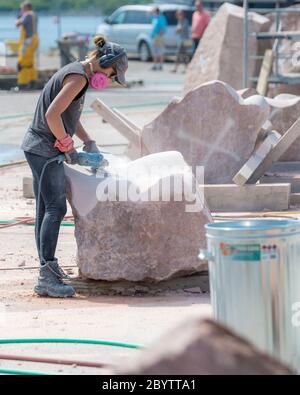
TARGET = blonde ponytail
x,y
99,41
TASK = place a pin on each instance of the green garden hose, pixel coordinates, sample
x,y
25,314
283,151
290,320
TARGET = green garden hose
x,y
64,341
23,373
71,341
11,222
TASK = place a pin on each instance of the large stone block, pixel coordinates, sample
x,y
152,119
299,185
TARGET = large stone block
x,y
200,347
258,197
220,53
252,170
212,126
138,238
285,110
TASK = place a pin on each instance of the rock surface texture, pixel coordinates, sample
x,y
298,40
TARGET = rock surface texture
x,y
219,54
289,22
212,126
285,110
290,48
203,348
138,240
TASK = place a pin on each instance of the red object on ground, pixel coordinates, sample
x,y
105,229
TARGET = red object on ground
x,y
53,361
7,71
27,221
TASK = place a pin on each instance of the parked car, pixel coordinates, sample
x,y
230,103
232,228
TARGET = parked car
x,y
131,27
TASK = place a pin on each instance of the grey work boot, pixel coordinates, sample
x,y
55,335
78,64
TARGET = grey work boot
x,y
50,282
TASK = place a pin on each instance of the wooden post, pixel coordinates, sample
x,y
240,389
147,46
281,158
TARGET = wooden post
x,y
265,71
271,156
117,122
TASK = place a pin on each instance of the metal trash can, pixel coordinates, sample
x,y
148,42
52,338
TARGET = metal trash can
x,y
255,283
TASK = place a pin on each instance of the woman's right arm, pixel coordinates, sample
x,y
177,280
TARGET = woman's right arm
x,y
72,86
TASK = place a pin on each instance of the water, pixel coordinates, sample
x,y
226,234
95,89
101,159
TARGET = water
x,y
48,29
10,153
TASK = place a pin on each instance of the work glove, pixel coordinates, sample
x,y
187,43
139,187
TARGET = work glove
x,y
72,157
91,147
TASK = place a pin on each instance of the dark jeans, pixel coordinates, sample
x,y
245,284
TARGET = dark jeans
x,y
52,206
182,55
196,43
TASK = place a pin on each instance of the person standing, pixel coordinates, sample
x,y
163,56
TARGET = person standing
x,y
183,31
201,19
159,26
28,45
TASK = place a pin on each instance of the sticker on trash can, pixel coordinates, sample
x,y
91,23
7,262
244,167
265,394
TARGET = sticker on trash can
x,y
241,252
269,253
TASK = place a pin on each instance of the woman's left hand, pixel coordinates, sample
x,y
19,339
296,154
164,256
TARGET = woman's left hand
x,y
91,147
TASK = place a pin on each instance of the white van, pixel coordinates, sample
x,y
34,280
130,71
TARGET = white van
x,y
131,27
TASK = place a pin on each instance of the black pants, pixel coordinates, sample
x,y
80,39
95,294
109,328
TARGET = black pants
x,y
182,55
52,206
196,43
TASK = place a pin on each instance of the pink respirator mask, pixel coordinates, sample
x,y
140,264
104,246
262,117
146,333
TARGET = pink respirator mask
x,y
99,81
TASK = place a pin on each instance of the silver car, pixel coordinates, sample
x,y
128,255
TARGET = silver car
x,y
131,27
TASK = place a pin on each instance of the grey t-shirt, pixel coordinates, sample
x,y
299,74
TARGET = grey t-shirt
x,y
29,21
39,139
